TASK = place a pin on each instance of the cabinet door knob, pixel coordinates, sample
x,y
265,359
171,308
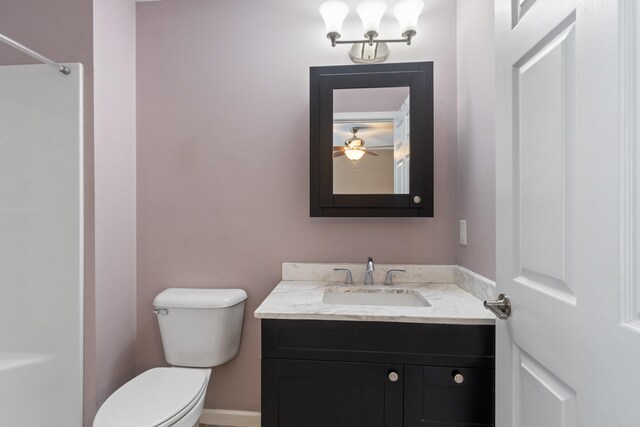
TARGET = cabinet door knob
x,y
393,376
457,377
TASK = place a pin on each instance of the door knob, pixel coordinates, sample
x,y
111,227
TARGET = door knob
x,y
500,307
393,376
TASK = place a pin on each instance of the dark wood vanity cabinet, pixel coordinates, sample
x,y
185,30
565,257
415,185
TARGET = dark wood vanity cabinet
x,y
347,374
321,394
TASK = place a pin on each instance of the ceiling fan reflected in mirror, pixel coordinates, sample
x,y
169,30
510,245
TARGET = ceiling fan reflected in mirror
x,y
353,147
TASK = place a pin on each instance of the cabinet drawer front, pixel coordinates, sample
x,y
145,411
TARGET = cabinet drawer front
x,y
306,393
379,342
468,402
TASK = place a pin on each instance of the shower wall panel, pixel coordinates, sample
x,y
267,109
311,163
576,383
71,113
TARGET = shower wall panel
x,y
41,246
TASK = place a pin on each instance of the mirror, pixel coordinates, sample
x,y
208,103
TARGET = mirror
x,y
371,140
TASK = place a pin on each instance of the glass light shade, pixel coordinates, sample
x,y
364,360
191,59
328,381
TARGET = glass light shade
x,y
355,142
354,153
407,13
333,12
370,12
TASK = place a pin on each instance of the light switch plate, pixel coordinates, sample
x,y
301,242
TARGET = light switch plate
x,y
463,232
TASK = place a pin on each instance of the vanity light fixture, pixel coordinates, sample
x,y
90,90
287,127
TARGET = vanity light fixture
x,y
371,49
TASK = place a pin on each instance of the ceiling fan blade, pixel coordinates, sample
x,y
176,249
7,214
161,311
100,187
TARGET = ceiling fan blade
x,y
373,154
338,153
367,148
336,148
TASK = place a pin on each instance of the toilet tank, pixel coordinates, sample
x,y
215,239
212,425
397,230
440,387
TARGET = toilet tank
x,y
200,328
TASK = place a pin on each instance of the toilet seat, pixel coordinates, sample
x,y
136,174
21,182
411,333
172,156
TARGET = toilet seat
x,y
156,398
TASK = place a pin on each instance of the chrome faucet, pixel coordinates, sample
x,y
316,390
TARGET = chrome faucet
x,y
368,275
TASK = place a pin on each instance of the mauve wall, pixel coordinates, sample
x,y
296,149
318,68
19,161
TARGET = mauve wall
x,y
223,175
476,135
62,30
115,193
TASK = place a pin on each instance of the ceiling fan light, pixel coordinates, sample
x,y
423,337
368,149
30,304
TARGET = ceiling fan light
x,y
354,153
370,12
355,142
334,12
407,13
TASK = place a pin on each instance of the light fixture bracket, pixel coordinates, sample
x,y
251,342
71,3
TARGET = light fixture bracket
x,y
364,53
407,37
370,50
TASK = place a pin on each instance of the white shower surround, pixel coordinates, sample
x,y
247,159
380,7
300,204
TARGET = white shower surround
x,y
41,246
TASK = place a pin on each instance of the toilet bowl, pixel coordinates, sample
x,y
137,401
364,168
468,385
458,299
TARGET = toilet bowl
x,y
159,397
200,328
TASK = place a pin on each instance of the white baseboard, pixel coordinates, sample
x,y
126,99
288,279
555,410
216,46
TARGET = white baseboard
x,y
225,417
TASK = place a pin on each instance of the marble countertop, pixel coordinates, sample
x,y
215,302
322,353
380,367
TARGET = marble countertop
x,y
303,299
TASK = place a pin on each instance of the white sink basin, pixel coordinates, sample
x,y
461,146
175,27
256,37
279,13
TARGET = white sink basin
x,y
375,296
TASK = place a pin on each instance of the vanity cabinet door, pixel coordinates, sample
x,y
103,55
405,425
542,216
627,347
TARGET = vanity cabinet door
x,y
438,396
305,393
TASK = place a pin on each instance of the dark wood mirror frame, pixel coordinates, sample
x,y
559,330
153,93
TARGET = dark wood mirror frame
x,y
418,76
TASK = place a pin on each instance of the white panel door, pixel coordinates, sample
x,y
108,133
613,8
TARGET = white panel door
x,y
568,229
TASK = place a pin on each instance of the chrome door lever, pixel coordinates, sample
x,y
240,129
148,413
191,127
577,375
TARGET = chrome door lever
x,y
500,307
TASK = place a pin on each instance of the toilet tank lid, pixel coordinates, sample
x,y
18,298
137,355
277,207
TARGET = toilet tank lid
x,y
199,298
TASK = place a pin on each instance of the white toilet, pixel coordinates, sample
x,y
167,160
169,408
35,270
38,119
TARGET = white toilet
x,y
200,328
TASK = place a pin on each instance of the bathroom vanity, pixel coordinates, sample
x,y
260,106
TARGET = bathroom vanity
x,y
329,362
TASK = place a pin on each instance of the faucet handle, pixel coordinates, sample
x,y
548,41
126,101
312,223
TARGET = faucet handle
x,y
349,279
388,280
